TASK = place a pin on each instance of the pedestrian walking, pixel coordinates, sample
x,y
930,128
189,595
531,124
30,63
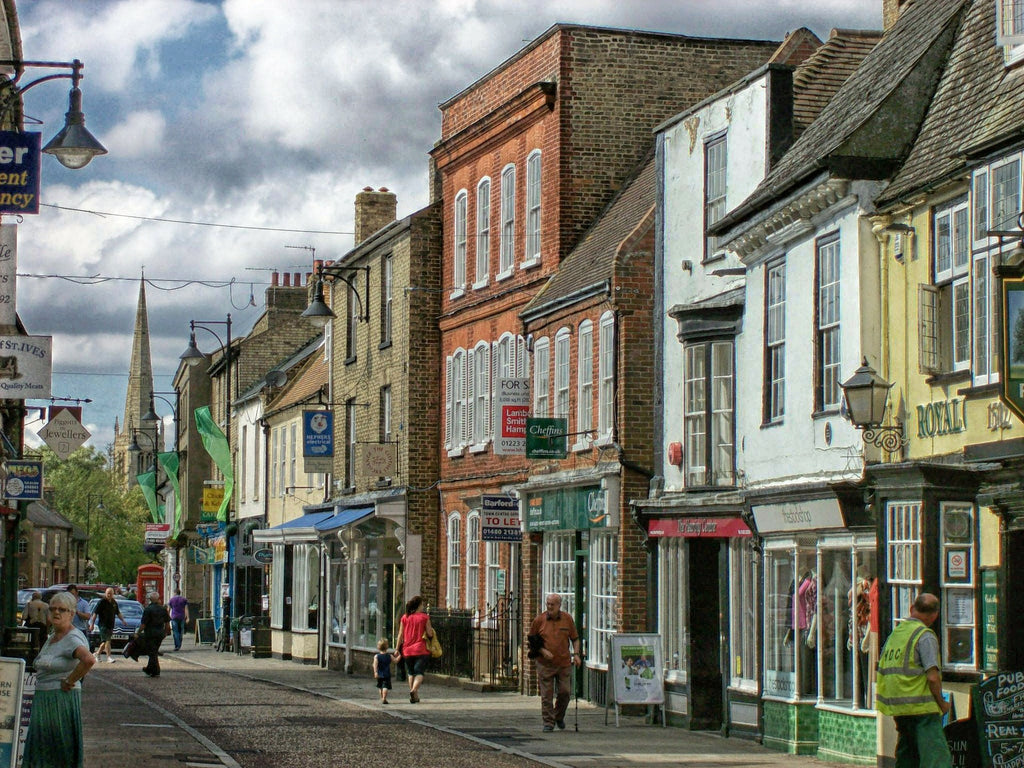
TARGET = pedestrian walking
x,y
82,613
153,628
909,688
415,628
555,646
179,617
54,738
104,614
382,669
36,614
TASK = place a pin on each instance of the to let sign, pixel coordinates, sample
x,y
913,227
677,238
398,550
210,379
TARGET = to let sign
x,y
19,172
500,517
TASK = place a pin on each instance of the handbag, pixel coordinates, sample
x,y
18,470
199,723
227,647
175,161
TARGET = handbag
x,y
433,645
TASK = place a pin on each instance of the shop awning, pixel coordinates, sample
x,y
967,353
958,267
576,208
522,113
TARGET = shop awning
x,y
698,527
300,529
344,517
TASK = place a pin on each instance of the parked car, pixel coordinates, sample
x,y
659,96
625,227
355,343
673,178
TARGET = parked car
x,y
123,630
24,595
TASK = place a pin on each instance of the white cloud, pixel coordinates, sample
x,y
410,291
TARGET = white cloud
x,y
140,134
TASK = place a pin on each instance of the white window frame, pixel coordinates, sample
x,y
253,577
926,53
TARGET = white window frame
x,y
744,615
387,285
473,561
584,385
603,587
951,267
507,251
562,354
716,159
709,413
959,594
350,443
673,606
606,379
454,533
277,586
904,537
531,254
558,575
775,343
483,233
481,402
541,377
456,393
492,560
1010,29
828,336
459,214
1004,208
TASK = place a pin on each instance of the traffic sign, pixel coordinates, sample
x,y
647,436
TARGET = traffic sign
x,y
64,433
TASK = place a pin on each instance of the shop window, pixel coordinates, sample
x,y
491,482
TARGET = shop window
x,y
827,337
473,561
791,610
743,614
454,559
958,586
673,599
604,587
709,413
903,556
337,633
306,587
559,575
277,587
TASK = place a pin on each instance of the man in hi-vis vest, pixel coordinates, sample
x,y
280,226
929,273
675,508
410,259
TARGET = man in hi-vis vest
x,y
910,688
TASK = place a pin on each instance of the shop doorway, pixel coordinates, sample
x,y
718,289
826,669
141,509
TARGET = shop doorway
x,y
1011,652
706,702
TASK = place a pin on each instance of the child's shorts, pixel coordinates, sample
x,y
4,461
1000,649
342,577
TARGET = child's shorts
x,y
384,682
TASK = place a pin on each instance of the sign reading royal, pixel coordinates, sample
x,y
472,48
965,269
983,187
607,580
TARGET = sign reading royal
x,y
511,407
500,518
25,366
318,441
19,172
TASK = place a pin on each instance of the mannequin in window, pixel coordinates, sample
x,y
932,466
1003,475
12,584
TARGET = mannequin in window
x,y
860,621
835,628
806,621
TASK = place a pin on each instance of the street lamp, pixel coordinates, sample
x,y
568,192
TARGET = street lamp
x,y
135,449
318,313
866,396
194,356
73,146
151,416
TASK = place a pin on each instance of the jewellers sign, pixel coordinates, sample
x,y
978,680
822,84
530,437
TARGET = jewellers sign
x,y
25,366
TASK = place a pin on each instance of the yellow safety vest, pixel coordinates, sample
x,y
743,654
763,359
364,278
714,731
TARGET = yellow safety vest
x,y
902,682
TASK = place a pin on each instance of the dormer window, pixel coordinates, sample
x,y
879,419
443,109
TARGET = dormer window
x,y
1010,29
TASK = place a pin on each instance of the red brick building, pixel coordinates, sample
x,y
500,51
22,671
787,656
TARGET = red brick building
x,y
528,158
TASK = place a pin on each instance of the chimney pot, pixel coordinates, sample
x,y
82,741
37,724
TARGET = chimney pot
x,y
367,189
296,279
383,189
273,279
287,279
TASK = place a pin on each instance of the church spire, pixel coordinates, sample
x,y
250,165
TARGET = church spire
x,y
140,386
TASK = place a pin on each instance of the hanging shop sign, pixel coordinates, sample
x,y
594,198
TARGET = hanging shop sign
x,y
64,433
24,480
500,519
790,516
698,527
1011,362
213,497
19,171
511,407
317,442
263,556
378,460
945,417
25,367
157,533
8,273
547,438
569,509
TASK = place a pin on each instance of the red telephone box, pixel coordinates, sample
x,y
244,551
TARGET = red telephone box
x,y
151,579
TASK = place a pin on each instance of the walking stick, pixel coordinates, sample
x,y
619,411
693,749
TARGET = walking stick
x,y
576,691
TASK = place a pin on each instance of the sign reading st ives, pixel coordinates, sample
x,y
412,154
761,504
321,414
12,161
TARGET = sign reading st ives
x,y
25,366
19,172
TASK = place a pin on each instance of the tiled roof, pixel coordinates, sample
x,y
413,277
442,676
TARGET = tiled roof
x,y
39,513
868,126
592,260
979,103
818,78
306,384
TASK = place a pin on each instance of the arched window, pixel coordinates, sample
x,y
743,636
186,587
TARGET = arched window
x,y
508,220
473,560
459,271
533,189
483,232
585,380
541,377
454,559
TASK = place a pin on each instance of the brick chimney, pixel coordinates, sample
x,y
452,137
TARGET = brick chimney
x,y
375,209
891,10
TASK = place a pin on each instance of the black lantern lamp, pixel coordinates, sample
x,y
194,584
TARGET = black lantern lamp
x,y
866,397
318,313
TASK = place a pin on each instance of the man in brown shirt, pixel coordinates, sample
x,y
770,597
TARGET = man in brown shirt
x,y
553,633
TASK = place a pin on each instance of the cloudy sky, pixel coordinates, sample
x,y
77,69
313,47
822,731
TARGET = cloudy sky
x,y
265,116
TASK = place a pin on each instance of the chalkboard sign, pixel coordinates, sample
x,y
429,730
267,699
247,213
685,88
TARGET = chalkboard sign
x,y
205,632
999,712
962,737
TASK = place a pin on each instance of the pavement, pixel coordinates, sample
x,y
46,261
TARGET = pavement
x,y
505,721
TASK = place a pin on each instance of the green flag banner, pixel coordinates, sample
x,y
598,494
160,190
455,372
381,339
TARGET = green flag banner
x,y
147,482
216,444
169,461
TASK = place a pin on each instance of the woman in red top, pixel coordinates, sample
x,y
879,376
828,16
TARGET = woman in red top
x,y
411,645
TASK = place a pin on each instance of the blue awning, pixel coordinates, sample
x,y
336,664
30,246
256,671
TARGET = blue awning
x,y
345,517
306,521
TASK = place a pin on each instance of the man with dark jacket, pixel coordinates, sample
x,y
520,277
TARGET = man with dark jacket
x,y
152,630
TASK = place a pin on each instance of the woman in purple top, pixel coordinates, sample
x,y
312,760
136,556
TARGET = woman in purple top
x,y
179,617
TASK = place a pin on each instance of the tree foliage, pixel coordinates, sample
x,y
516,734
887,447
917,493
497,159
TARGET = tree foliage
x,y
117,531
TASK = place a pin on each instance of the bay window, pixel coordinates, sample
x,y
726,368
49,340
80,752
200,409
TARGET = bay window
x,y
709,413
